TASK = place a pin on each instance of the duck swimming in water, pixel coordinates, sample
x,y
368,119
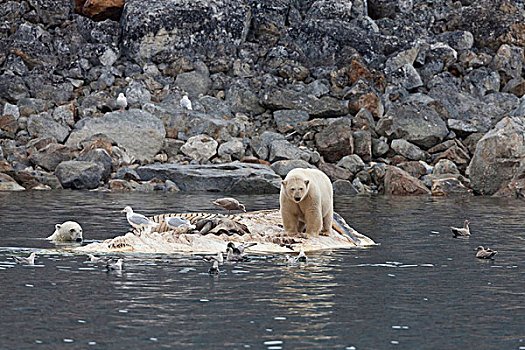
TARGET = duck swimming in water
x,y
465,231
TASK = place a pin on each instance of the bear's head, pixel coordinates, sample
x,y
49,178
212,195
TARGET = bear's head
x,y
296,188
68,231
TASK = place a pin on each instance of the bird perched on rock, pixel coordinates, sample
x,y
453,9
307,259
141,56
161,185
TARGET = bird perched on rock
x,y
115,266
214,269
177,221
230,204
30,260
186,103
122,102
465,231
95,259
485,253
237,253
138,221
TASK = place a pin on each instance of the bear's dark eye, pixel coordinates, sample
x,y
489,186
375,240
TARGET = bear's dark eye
x,y
293,189
72,230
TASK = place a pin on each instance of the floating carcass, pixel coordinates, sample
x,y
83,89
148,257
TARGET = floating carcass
x,y
212,232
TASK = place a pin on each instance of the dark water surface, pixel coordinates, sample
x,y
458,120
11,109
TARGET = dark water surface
x,y
419,289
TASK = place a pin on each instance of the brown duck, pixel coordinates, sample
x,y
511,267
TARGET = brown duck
x,y
485,253
465,231
230,204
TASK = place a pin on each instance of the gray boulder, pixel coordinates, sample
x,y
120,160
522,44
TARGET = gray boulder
x,y
232,177
99,156
282,149
138,132
234,149
283,167
51,156
417,122
344,187
287,120
79,175
408,150
336,140
196,82
325,106
499,155
261,144
352,162
216,120
137,94
43,125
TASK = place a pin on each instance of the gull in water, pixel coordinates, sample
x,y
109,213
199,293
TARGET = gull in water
x,y
230,204
237,253
186,103
138,221
177,221
485,253
302,256
214,269
95,259
122,102
219,258
30,260
115,266
465,231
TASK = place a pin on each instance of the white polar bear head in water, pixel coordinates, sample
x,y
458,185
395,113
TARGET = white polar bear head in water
x,y
69,231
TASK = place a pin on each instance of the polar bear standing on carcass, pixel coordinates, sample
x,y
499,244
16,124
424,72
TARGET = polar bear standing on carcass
x,y
306,199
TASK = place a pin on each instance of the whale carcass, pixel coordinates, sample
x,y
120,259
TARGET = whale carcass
x,y
211,233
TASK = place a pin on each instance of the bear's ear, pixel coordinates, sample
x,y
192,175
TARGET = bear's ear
x,y
57,226
306,182
283,182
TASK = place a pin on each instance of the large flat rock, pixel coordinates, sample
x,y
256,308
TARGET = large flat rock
x,y
232,177
140,133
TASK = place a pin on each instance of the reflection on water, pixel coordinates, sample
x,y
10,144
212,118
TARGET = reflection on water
x,y
419,288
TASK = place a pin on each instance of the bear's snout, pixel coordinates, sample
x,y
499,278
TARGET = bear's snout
x,y
297,199
79,239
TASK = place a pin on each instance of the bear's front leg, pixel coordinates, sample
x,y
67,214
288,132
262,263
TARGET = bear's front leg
x,y
289,222
314,222
327,225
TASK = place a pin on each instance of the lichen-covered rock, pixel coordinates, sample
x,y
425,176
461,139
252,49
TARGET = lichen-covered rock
x,y
138,132
499,155
200,147
181,27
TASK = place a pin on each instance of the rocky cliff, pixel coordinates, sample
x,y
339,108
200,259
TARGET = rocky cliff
x,y
388,96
